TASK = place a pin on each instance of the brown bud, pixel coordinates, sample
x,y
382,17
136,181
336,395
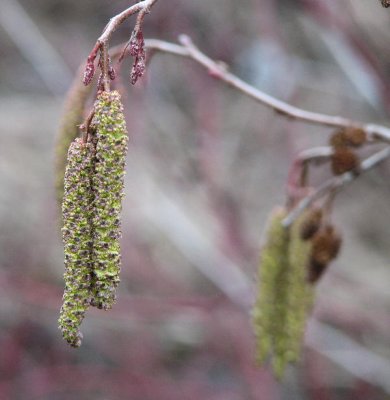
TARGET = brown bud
x,y
344,137
339,139
311,223
344,160
316,270
386,3
326,245
355,136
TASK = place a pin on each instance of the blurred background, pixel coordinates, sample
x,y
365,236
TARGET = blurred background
x,y
205,167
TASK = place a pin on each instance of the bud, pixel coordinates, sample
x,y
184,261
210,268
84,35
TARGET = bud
x,y
339,139
107,182
356,137
89,73
311,222
315,271
350,136
137,50
77,237
326,245
344,160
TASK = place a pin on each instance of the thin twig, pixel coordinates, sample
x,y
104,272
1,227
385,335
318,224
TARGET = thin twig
x,y
142,7
299,171
335,184
219,70
84,127
104,66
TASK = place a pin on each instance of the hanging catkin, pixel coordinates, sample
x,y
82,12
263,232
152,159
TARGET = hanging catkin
x,y
300,292
110,136
284,294
77,237
72,115
268,313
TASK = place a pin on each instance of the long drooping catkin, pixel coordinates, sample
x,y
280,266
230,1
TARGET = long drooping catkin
x,y
284,294
107,183
77,237
72,115
301,292
268,315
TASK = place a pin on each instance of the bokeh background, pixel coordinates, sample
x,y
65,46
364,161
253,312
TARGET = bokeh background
x,y
205,167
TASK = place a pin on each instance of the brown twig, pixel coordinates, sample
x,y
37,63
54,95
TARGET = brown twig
x,y
104,60
84,127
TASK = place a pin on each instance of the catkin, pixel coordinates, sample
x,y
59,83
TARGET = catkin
x,y
301,292
268,315
284,294
72,115
77,237
107,183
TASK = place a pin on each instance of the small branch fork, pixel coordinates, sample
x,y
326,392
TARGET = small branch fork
x,y
143,8
102,44
336,183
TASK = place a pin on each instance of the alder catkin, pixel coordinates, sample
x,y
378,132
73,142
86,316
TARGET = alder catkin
x,y
72,115
300,292
268,315
284,293
77,237
107,182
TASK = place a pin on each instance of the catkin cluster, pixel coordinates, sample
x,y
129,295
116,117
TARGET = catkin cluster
x,y
284,295
93,192
292,259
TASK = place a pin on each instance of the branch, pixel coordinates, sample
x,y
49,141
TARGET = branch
x,y
143,7
299,170
335,184
219,70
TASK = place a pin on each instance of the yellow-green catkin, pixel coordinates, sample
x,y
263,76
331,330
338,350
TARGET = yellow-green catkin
x,y
72,116
268,314
284,294
77,237
300,292
111,140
